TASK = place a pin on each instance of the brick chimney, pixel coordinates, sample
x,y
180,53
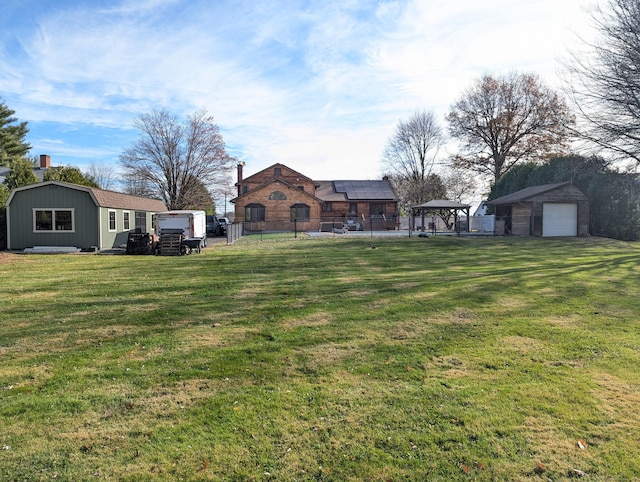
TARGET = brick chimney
x,y
45,161
240,166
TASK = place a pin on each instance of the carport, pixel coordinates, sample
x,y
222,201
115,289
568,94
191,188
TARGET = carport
x,y
447,211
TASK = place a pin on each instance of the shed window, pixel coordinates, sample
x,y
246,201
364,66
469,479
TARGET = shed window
x,y
353,208
300,212
112,220
254,212
53,220
126,223
326,207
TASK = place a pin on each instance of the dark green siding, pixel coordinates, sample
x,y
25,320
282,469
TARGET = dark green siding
x,y
86,217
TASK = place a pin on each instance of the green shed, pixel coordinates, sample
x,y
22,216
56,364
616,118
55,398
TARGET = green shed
x,y
57,213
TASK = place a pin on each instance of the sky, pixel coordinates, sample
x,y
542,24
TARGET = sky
x,y
318,85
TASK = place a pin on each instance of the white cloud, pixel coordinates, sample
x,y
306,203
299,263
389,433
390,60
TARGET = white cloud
x,y
318,85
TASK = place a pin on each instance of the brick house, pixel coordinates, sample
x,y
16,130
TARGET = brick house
x,y
281,199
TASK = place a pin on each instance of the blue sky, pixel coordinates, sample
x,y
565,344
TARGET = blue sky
x,y
316,85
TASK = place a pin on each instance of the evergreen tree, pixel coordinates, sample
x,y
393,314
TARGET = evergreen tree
x,y
4,195
12,134
69,174
21,174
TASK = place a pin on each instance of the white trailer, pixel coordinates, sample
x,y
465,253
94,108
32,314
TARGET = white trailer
x,y
192,223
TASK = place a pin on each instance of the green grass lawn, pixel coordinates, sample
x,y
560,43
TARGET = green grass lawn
x,y
324,359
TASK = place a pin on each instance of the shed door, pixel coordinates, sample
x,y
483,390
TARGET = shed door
x,y
560,219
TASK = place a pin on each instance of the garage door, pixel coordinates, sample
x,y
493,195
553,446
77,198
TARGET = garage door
x,y
559,219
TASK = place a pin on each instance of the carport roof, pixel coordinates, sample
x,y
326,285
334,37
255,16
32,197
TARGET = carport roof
x,y
527,193
441,204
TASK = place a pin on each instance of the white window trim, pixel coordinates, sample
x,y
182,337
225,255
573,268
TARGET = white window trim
x,y
124,215
53,218
115,216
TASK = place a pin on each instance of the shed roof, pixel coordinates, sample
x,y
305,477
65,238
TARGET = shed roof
x,y
118,200
103,198
527,193
356,191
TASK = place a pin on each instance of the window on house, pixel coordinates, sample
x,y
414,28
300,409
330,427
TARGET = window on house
x,y
254,213
245,189
376,209
326,207
277,196
300,187
300,212
53,220
126,225
353,208
112,220
277,171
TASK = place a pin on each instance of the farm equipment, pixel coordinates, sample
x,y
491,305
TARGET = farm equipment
x,y
173,242
177,233
141,243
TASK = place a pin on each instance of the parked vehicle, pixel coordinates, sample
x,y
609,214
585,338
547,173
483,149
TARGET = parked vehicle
x,y
224,222
213,226
189,226
216,226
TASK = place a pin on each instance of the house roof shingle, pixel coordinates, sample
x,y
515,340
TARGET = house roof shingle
x,y
527,193
118,200
103,198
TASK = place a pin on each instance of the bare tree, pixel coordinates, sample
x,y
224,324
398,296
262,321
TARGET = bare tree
x,y
224,191
173,158
505,120
459,184
136,186
102,175
604,83
410,154
412,193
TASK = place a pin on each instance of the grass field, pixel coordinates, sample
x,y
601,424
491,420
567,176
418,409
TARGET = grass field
x,y
324,359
